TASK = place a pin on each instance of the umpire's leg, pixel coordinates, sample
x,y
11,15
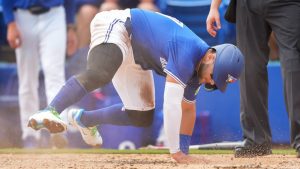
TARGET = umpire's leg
x,y
284,17
252,38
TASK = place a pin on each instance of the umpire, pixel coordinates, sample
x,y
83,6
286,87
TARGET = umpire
x,y
255,19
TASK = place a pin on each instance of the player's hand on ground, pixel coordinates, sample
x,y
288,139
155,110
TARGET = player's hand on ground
x,y
182,158
13,35
213,23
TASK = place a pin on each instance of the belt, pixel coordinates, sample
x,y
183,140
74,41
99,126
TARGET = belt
x,y
37,10
128,26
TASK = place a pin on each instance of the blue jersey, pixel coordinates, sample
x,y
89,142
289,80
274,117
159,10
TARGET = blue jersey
x,y
165,45
10,5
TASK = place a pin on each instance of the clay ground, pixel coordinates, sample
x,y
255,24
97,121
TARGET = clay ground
x,y
143,161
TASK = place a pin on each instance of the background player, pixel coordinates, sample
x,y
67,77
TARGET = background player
x,y
37,30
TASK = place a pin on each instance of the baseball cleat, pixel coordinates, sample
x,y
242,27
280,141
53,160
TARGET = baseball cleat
x,y
48,119
90,135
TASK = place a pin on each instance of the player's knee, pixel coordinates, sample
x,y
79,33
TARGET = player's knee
x,y
90,80
103,62
141,118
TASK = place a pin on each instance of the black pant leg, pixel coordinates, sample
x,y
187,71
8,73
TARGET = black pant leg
x,y
252,39
284,18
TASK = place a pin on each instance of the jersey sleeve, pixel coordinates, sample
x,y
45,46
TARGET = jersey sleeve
x,y
191,90
8,6
180,64
185,51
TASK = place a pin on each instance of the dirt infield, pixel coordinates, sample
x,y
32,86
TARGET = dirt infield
x,y
142,161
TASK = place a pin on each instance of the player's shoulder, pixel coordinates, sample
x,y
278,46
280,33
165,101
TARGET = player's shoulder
x,y
139,12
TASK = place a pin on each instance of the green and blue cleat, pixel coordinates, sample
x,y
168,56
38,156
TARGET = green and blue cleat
x,y
90,135
48,119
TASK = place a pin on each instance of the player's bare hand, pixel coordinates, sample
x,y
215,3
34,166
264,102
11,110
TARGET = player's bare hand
x,y
13,35
213,23
182,158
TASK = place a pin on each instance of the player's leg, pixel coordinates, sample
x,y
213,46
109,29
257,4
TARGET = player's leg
x,y
287,35
252,38
87,121
129,74
103,56
52,53
134,85
117,115
103,62
53,50
28,71
136,89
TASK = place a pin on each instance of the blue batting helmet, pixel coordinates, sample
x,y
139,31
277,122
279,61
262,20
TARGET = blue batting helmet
x,y
228,65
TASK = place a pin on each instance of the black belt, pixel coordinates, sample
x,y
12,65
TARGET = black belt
x,y
128,26
37,10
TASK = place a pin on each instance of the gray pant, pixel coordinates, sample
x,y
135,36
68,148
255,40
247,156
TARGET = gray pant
x,y
255,21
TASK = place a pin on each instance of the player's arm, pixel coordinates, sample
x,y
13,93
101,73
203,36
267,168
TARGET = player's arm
x,y
172,112
213,23
188,118
172,118
13,33
187,125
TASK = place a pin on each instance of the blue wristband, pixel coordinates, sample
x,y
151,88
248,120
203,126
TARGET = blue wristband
x,y
185,141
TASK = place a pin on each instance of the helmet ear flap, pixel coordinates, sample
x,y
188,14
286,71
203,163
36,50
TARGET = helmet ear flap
x,y
208,87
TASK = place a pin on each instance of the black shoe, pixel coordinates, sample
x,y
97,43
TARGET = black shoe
x,y
252,151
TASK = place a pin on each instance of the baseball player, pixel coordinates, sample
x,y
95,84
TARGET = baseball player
x,y
125,46
37,31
